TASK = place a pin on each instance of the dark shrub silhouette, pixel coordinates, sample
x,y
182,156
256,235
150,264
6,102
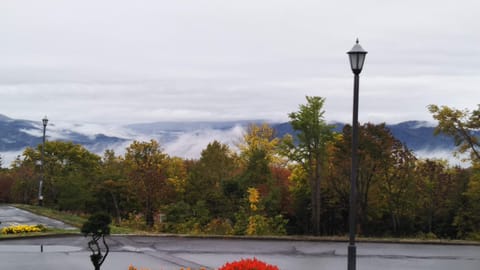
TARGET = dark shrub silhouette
x,y
97,226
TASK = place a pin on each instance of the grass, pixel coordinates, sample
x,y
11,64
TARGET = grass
x,y
78,220
68,218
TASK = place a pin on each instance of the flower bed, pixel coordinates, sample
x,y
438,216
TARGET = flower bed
x,y
15,229
243,264
248,264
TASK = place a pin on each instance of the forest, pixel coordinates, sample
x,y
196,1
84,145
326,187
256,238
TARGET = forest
x,y
265,185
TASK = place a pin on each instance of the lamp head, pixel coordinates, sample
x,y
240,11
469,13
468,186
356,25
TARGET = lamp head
x,y
357,58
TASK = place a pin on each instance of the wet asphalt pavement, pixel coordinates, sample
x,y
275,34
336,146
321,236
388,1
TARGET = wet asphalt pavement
x,y
168,253
10,215
163,252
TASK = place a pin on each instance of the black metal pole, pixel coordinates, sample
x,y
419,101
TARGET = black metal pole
x,y
352,249
40,186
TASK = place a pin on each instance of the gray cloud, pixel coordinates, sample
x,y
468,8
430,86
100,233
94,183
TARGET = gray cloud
x,y
124,62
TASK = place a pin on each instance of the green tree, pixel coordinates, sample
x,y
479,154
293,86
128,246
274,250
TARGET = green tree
x,y
385,165
467,218
337,184
113,192
397,186
70,171
300,219
461,125
147,170
312,137
439,194
208,177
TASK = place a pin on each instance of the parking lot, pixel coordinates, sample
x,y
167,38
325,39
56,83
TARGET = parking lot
x,y
174,252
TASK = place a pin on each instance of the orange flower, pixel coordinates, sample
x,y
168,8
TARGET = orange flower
x,y
248,264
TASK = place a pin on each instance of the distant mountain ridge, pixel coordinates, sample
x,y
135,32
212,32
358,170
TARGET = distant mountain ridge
x,y
420,136
417,135
18,134
185,139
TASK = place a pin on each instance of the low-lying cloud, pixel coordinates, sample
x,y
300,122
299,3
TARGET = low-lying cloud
x,y
186,144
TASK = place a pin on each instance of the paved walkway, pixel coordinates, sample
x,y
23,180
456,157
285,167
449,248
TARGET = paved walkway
x,y
10,215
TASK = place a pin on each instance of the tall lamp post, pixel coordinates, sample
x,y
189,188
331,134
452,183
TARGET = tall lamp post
x,y
40,185
357,58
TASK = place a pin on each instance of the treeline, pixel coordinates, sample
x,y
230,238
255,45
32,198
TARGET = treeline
x,y
298,184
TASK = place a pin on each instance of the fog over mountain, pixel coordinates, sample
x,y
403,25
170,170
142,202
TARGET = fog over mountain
x,y
185,139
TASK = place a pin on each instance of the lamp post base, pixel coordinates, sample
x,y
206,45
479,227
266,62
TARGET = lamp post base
x,y
352,255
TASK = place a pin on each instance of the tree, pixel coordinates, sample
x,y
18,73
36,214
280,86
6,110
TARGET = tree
x,y
439,194
385,165
300,218
6,184
467,218
461,125
397,186
113,192
25,185
97,226
208,177
70,172
337,183
259,155
312,137
147,170
259,138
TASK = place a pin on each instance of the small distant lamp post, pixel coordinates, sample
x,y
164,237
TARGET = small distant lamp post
x,y
40,186
357,58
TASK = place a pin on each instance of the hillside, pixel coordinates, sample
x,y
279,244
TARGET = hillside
x,y
183,139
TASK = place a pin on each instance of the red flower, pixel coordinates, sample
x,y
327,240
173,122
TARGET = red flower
x,y
248,264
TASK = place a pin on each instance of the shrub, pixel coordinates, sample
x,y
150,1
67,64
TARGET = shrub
x,y
243,264
135,221
219,227
427,236
473,236
131,267
262,225
248,264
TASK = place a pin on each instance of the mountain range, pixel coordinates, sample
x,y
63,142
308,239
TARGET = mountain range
x,y
184,139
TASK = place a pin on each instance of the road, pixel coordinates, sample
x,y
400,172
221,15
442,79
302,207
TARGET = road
x,y
10,215
161,252
169,253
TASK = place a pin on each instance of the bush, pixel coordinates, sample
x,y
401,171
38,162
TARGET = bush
x,y
473,236
219,227
243,264
262,225
134,221
131,267
248,264
427,236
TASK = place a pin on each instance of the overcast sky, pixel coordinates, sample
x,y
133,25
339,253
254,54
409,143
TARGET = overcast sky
x,y
115,61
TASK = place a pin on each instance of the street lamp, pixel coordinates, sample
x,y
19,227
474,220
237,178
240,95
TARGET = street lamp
x,y
40,185
357,58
